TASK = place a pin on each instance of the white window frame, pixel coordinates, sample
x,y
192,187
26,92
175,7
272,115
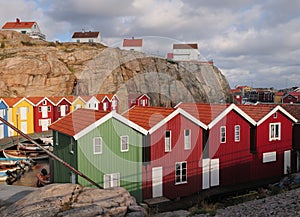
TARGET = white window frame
x,y
179,168
237,133
111,180
187,139
72,146
56,138
97,145
223,134
275,115
126,145
105,106
168,141
272,131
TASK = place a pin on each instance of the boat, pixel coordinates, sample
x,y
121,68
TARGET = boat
x,y
43,178
29,146
24,154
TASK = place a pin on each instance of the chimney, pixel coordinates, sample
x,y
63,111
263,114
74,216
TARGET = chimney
x,y
18,20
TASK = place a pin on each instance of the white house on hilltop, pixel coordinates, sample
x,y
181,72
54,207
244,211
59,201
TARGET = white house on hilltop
x,y
29,28
185,52
91,37
133,44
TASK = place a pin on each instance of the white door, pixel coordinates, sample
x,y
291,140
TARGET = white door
x,y
45,124
63,110
287,161
73,178
1,131
157,176
44,111
214,172
205,173
24,126
23,113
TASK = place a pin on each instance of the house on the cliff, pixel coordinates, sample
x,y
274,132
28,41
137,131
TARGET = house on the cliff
x,y
3,114
88,37
185,52
106,147
133,44
30,28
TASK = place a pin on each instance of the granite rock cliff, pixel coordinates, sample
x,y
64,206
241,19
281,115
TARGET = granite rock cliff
x,y
30,67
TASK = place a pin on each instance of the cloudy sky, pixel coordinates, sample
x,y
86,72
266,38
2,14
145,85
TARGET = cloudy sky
x,y
253,42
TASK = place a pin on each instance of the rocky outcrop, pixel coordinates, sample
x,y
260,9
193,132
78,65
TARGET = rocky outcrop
x,y
74,200
31,67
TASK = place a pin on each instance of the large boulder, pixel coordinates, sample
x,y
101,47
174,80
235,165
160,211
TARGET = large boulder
x,y
72,200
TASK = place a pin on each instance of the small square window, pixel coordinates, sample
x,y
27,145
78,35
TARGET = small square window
x,y
124,143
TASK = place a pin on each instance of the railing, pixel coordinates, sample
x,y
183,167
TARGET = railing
x,y
37,35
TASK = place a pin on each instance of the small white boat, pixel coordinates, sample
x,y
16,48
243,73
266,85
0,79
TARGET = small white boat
x,y
34,155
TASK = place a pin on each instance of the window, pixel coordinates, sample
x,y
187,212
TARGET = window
x,y
91,40
56,138
223,134
274,133
237,133
44,102
124,143
49,108
77,40
187,139
180,173
168,141
104,106
97,144
72,146
111,180
67,107
58,108
275,115
40,109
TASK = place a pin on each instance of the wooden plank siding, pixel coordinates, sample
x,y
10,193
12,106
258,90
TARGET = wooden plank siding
x,y
167,160
62,174
235,156
276,168
112,160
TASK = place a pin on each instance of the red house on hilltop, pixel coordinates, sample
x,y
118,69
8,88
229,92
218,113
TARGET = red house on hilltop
x,y
291,97
43,109
272,140
227,143
172,151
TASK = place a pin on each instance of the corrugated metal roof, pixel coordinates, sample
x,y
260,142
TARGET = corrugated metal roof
x,y
18,25
85,34
185,46
133,43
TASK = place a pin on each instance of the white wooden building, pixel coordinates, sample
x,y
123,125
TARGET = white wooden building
x,y
185,52
133,44
90,37
29,28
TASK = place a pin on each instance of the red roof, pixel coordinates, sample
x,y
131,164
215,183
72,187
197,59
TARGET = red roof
x,y
279,93
77,121
100,97
296,94
133,43
293,109
257,112
185,46
85,34
204,112
147,117
11,101
18,25
56,99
